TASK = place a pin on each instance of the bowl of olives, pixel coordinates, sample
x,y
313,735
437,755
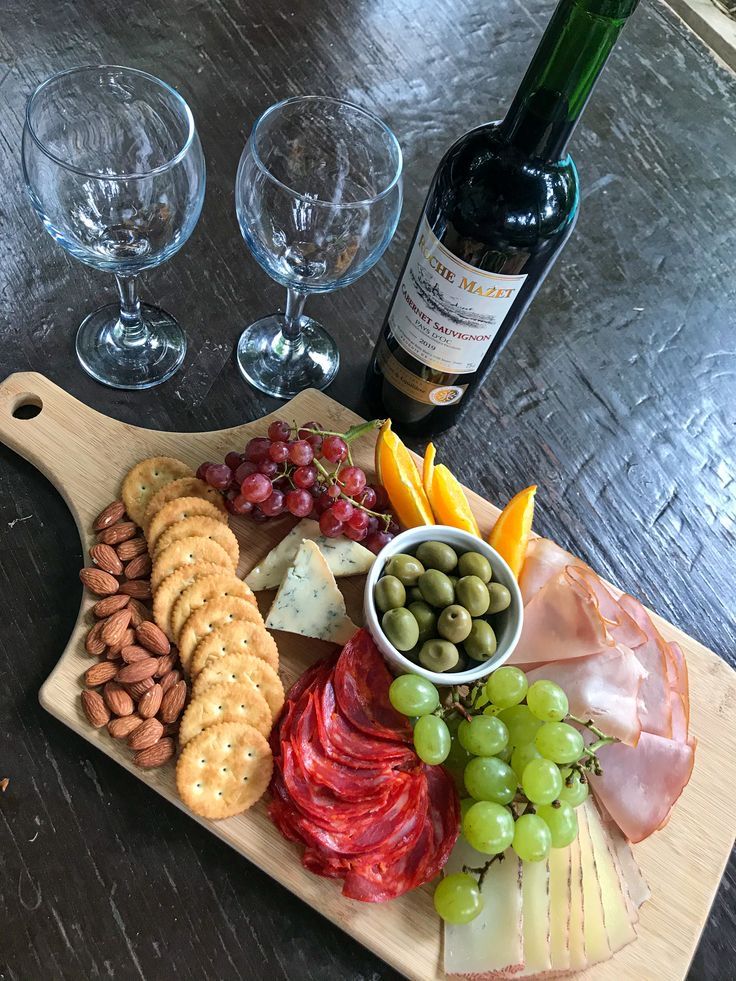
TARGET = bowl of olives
x,y
443,604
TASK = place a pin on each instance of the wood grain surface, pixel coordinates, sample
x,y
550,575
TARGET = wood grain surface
x,y
70,443
616,396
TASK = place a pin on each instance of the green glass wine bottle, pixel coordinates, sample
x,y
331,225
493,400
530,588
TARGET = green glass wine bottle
x,y
500,207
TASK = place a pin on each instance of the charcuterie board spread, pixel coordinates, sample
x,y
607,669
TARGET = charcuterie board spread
x,y
169,564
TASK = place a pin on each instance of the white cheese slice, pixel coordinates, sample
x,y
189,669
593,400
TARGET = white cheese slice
x,y
344,558
308,601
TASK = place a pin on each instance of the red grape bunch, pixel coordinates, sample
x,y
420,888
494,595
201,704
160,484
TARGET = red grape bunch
x,y
305,471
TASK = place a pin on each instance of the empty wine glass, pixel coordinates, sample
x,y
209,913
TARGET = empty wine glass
x,y
318,197
115,171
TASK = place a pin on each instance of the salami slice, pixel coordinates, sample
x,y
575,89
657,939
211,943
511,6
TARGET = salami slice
x,y
362,681
345,780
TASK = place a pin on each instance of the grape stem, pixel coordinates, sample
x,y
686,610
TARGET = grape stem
x,y
482,871
386,518
590,760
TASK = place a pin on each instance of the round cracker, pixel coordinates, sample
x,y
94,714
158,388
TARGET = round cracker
x,y
204,589
224,770
145,479
184,487
213,613
187,551
177,510
173,586
225,703
198,526
238,637
234,668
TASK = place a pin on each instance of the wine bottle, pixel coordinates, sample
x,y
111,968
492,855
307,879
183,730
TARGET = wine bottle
x,y
500,207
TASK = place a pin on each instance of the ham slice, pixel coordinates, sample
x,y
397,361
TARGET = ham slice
x,y
640,785
562,620
603,687
544,559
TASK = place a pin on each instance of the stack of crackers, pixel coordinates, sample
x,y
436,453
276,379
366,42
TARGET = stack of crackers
x,y
203,607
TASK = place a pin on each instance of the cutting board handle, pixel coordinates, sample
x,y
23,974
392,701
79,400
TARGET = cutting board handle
x,y
51,429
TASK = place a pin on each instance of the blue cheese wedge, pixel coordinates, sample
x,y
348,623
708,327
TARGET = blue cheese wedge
x,y
344,558
308,601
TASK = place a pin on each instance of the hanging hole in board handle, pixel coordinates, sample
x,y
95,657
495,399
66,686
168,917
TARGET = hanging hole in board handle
x,y
27,407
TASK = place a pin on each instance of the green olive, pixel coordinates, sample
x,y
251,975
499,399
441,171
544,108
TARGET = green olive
x,y
481,641
473,594
401,629
454,623
413,595
439,655
475,564
437,555
453,580
426,618
404,567
500,597
390,593
436,588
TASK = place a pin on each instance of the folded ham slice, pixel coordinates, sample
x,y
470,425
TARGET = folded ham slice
x,y
640,785
602,687
544,559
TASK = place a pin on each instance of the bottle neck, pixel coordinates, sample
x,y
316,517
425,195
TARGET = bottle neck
x,y
562,74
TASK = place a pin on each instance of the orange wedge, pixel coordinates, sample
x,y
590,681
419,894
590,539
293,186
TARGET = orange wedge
x,y
510,534
428,466
447,497
398,473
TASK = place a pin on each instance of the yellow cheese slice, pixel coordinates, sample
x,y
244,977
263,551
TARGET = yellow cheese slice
x,y
616,909
597,948
559,908
535,898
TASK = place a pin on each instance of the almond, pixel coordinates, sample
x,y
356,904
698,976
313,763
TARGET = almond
x,y
113,654
137,588
150,703
109,515
156,755
167,663
106,558
169,680
121,728
137,671
134,652
139,567
153,638
98,581
110,604
131,548
100,673
114,628
138,612
139,688
126,640
94,644
117,699
147,733
173,702
118,533
95,709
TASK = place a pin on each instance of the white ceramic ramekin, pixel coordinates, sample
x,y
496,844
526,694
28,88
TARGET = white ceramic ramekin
x,y
507,624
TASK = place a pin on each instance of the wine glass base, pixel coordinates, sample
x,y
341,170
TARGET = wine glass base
x,y
281,367
140,362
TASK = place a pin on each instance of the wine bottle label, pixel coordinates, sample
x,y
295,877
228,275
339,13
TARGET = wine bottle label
x,y
420,389
447,312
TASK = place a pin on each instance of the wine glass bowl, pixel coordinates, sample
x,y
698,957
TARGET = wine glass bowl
x,y
318,197
114,169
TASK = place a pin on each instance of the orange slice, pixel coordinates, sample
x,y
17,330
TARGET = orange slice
x,y
398,473
428,466
448,500
510,534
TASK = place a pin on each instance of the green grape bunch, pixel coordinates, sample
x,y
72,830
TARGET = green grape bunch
x,y
519,762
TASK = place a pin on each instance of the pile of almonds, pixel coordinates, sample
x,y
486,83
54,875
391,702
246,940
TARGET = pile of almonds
x,y
136,689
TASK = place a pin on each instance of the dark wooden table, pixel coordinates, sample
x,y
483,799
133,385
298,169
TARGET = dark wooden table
x,y
616,396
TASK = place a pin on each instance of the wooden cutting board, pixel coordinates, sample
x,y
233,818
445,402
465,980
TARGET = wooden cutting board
x,y
85,454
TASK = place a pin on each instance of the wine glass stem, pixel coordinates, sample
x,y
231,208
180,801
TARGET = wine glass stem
x,y
132,328
294,306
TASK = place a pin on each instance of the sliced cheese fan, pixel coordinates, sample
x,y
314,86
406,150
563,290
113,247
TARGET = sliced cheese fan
x,y
343,557
308,601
